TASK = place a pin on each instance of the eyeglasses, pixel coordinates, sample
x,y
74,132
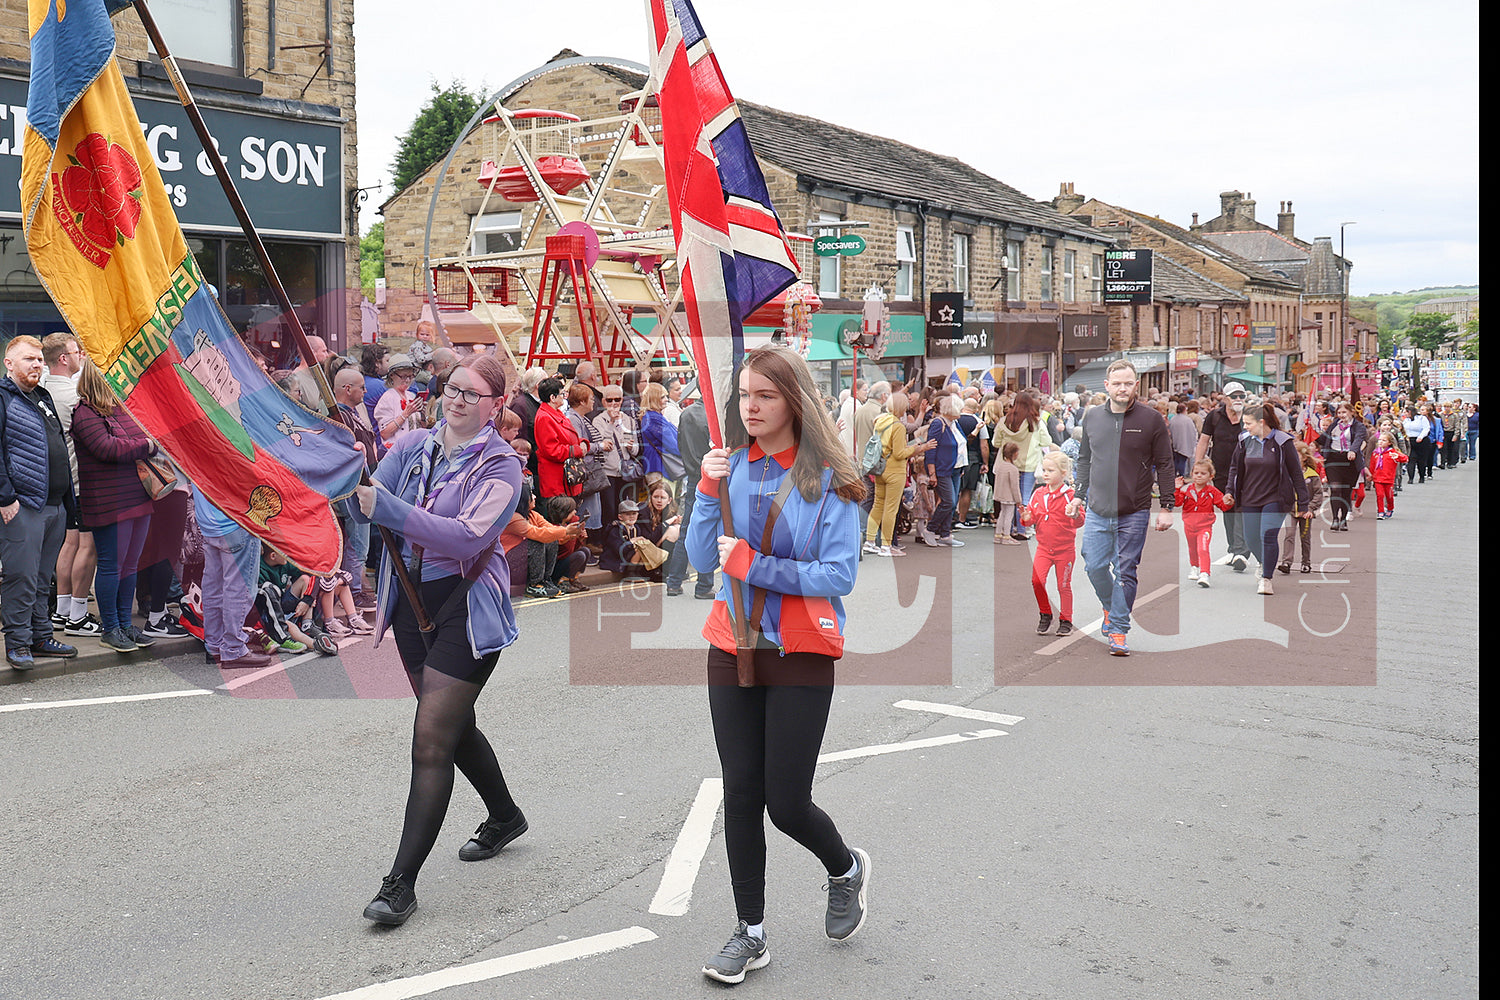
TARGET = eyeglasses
x,y
613,400
451,391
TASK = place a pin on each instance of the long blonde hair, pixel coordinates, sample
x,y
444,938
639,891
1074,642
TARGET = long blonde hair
x,y
94,390
818,445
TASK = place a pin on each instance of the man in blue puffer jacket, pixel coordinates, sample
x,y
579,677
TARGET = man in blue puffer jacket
x,y
36,490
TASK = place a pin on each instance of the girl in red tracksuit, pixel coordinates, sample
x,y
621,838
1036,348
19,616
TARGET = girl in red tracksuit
x,y
1385,466
1055,531
1198,500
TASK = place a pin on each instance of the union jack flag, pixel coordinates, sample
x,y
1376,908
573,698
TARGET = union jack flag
x,y
732,255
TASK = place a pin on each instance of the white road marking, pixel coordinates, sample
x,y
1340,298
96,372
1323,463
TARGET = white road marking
x,y
115,700
885,748
282,666
1093,626
960,713
478,972
676,888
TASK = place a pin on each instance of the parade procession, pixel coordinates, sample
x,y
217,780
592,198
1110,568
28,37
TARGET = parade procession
x,y
431,551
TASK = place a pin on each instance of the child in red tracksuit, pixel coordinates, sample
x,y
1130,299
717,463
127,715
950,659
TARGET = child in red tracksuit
x,y
1055,532
1385,466
1198,500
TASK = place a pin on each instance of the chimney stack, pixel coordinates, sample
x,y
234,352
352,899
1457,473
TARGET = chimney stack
x,y
1285,221
1067,201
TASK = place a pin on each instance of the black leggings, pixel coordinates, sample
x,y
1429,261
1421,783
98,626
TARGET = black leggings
x,y
1342,476
768,738
447,680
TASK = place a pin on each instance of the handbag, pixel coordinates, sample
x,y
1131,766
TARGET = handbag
x,y
574,472
158,476
595,478
631,469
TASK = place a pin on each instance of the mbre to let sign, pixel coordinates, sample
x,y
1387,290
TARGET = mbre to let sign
x,y
1127,277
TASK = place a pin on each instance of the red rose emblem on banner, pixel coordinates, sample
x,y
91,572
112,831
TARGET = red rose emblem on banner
x,y
98,198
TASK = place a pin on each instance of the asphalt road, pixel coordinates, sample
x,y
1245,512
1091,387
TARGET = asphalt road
x,y
1253,805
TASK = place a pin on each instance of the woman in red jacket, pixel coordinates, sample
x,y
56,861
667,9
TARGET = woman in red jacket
x,y
556,442
114,504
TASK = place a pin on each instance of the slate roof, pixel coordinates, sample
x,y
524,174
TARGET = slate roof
x,y
1261,245
1171,280
1198,242
856,161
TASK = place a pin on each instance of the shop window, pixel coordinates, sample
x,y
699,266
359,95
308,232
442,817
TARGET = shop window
x,y
251,304
906,259
205,31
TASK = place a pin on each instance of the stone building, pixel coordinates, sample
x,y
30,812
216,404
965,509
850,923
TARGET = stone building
x,y
1330,338
931,224
275,82
1225,302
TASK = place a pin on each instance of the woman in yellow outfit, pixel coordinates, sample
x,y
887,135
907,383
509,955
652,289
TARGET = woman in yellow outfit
x,y
890,482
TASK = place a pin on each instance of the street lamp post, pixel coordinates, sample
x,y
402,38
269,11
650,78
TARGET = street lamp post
x,y
1344,305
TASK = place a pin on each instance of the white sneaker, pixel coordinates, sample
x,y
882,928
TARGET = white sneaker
x,y
883,550
870,549
1225,559
950,541
1192,574
1264,587
1203,581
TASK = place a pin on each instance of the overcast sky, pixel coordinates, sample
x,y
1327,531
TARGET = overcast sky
x,y
1363,112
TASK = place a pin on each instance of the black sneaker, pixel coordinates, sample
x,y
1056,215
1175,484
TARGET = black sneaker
x,y
536,590
88,625
491,836
20,658
1064,627
168,628
59,620
741,953
395,901
846,900
1044,624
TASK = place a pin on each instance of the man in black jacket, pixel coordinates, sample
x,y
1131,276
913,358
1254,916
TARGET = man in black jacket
x,y
692,444
1124,445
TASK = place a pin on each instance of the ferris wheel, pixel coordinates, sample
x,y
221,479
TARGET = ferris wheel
x,y
584,276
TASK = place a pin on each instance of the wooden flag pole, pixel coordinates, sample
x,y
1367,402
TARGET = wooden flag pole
x,y
299,336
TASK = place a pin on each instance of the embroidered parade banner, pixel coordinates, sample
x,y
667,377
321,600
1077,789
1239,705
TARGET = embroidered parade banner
x,y
106,245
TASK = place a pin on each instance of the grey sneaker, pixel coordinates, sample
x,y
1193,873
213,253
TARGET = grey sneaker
x,y
139,637
119,640
950,541
846,900
741,953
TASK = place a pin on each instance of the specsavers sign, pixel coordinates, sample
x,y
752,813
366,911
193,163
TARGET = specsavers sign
x,y
290,173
